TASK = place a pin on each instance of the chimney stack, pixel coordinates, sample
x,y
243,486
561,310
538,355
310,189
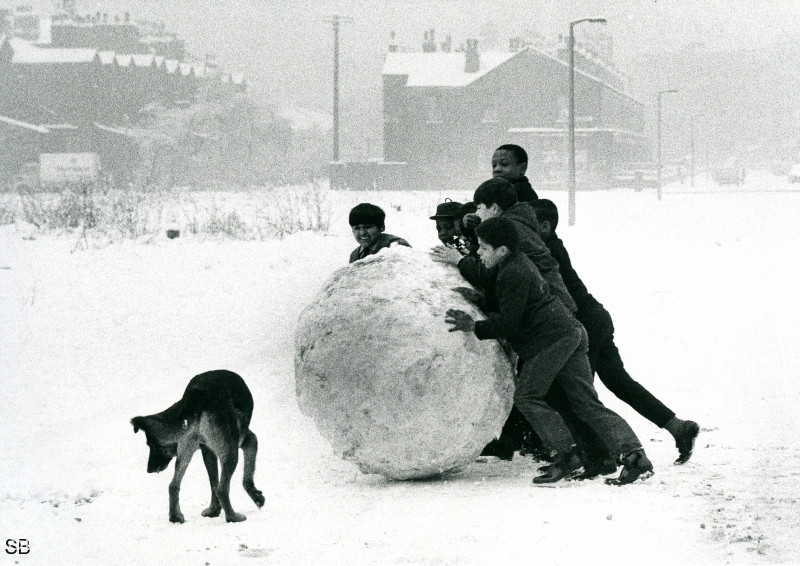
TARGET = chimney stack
x,y
429,45
472,59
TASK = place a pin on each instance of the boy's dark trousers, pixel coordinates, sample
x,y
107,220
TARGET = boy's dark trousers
x,y
566,363
606,362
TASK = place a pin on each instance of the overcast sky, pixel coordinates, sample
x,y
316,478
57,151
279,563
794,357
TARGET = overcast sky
x,y
286,45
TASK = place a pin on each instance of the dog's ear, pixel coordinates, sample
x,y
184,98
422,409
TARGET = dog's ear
x,y
137,422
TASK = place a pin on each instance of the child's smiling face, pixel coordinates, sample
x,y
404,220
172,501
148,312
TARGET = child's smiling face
x,y
366,234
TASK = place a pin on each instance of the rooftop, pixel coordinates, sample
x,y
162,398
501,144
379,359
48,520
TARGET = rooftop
x,y
441,68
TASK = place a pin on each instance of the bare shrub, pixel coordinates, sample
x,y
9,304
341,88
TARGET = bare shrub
x,y
228,224
8,209
295,209
101,214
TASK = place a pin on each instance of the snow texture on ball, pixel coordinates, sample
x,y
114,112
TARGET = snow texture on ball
x,y
386,383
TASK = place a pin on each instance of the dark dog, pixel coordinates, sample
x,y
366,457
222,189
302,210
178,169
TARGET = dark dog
x,y
214,416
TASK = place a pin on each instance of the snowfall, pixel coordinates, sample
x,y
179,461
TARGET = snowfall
x,y
703,288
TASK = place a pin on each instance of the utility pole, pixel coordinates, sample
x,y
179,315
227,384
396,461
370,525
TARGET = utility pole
x,y
691,149
571,183
336,88
336,20
658,137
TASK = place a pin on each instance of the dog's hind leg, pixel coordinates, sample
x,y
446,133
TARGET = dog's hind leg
x,y
229,459
210,460
250,449
181,463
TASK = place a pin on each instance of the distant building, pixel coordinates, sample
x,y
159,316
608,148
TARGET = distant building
x,y
446,110
83,89
445,113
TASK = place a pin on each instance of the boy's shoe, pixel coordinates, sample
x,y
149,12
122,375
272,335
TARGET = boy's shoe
x,y
566,464
635,466
685,441
501,448
598,467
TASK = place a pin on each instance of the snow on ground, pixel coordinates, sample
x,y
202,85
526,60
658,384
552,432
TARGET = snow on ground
x,y
703,290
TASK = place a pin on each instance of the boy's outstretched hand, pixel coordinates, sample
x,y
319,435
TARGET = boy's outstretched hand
x,y
446,255
460,320
469,294
471,221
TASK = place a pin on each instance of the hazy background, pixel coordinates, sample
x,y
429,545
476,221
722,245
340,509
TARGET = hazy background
x,y
285,50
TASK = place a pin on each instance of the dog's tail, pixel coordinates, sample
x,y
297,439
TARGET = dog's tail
x,y
138,423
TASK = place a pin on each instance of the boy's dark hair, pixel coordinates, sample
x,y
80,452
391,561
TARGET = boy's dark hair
x,y
366,213
495,190
498,231
466,208
519,154
546,211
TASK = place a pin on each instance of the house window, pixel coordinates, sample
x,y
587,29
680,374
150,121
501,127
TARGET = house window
x,y
433,110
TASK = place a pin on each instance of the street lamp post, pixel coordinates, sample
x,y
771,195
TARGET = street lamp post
x,y
691,150
571,116
658,142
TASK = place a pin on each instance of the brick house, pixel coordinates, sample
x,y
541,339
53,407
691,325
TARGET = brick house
x,y
446,111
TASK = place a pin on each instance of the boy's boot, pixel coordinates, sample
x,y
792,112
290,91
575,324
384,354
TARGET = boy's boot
x,y
566,464
501,447
597,466
635,466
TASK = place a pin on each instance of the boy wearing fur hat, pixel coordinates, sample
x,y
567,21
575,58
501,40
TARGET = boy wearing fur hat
x,y
368,224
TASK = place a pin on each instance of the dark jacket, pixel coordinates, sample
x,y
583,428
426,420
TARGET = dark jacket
x,y
532,245
586,303
520,308
525,192
384,241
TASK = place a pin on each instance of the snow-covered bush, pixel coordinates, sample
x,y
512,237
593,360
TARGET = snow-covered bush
x,y
102,214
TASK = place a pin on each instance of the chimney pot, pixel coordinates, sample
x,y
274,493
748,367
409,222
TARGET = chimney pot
x,y
472,60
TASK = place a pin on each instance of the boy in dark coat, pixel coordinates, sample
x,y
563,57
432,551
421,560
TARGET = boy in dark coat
x,y
552,346
367,222
603,354
510,162
497,197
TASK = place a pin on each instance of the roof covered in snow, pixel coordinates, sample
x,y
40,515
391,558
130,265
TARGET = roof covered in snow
x,y
26,52
441,69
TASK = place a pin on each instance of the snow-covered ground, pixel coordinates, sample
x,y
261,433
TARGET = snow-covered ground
x,y
703,288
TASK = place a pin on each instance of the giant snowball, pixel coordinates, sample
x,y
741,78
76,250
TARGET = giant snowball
x,y
386,383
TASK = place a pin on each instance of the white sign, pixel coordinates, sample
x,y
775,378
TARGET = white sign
x,y
59,169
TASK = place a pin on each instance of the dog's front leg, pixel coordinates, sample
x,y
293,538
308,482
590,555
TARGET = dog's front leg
x,y
210,460
250,449
181,463
228,461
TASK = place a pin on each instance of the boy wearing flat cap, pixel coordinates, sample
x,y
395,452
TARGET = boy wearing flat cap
x,y
447,222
